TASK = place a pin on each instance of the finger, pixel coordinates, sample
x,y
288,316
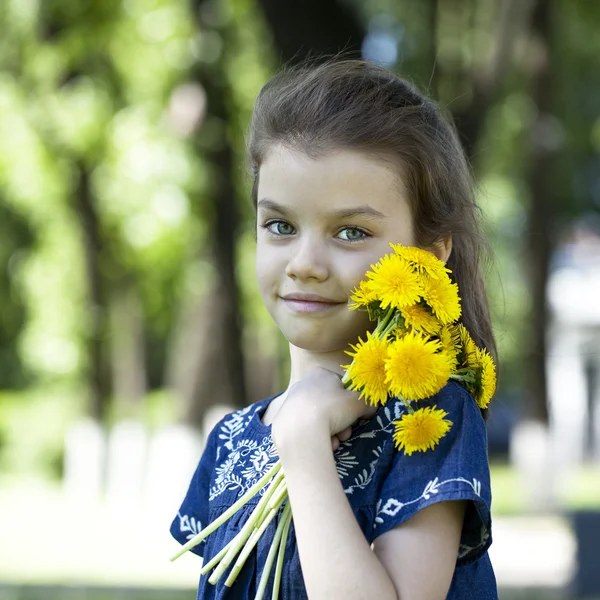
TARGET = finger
x,y
344,434
335,443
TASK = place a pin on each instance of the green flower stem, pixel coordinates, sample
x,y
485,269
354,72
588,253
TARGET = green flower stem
x,y
279,496
239,563
254,520
257,515
229,512
406,403
383,324
263,507
233,551
280,555
264,578
209,565
467,375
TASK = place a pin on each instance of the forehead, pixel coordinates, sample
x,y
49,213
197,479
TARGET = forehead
x,y
335,180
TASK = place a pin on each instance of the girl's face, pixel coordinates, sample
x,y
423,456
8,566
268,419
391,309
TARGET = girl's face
x,y
321,224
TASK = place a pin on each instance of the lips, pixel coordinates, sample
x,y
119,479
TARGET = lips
x,y
308,297
304,302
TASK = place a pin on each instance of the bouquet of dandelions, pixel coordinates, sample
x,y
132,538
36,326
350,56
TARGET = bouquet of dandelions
x,y
415,348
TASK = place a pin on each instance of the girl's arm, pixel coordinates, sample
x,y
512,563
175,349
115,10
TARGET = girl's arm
x,y
337,561
414,561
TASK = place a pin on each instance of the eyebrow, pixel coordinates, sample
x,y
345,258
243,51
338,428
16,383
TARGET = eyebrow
x,y
345,213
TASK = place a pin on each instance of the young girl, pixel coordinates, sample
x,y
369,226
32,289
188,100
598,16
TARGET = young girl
x,y
347,158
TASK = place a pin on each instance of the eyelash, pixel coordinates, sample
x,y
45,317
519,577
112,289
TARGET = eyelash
x,y
268,224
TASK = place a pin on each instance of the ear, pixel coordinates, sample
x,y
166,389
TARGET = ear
x,y
442,249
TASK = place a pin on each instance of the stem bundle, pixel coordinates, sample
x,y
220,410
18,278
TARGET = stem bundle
x,y
274,497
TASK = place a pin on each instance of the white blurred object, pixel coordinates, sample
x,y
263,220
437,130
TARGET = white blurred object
x,y
573,346
172,459
85,449
567,394
531,452
127,447
533,552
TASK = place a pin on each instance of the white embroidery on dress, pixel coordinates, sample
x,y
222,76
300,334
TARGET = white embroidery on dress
x,y
364,478
247,462
235,424
345,461
189,524
393,506
465,549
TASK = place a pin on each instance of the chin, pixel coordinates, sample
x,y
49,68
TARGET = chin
x,y
322,340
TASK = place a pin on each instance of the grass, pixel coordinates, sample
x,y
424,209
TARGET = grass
x,y
579,490
91,593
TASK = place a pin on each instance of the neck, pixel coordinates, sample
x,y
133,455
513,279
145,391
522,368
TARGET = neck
x,y
303,360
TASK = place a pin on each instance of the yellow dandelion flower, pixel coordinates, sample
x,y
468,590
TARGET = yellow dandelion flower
x,y
471,358
421,430
416,368
394,282
362,296
420,319
442,295
422,260
367,371
450,340
488,378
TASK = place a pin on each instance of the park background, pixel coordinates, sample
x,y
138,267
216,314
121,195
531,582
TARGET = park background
x,y
129,316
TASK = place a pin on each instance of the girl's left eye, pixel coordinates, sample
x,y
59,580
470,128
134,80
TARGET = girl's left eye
x,y
352,234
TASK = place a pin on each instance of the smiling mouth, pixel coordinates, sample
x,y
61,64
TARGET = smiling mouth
x,y
309,303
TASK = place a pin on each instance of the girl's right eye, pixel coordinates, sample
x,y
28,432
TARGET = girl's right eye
x,y
279,227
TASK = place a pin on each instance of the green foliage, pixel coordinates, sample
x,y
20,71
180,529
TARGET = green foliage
x,y
103,88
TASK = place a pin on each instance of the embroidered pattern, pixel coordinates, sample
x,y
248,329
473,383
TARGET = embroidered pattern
x,y
247,460
393,506
189,526
235,425
465,549
345,461
244,466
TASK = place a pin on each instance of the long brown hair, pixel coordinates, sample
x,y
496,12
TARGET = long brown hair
x,y
354,104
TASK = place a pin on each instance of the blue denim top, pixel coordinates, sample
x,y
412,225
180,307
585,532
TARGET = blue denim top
x,y
383,486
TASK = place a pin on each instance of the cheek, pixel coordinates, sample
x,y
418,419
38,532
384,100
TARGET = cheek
x,y
268,269
353,271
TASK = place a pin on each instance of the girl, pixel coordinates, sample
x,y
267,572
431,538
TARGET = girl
x,y
347,158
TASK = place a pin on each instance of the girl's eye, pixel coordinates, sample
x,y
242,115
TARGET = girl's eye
x,y
279,228
352,234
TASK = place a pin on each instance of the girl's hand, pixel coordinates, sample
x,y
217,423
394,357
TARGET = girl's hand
x,y
318,406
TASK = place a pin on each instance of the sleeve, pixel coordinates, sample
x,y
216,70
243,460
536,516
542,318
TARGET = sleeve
x,y
457,469
192,516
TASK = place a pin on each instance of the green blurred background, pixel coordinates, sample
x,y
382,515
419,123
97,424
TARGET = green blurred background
x,y
129,314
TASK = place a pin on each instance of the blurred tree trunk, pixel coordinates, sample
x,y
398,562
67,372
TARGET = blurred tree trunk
x,y
313,28
97,354
516,17
483,79
128,352
542,207
208,366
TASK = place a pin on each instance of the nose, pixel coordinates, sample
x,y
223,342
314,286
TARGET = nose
x,y
308,261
